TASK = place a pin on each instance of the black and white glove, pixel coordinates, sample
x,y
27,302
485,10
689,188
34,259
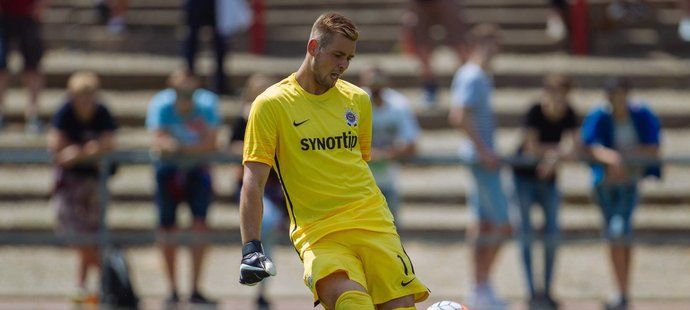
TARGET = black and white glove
x,y
255,265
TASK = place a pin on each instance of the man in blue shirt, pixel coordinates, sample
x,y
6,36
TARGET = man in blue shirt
x,y
621,128
184,120
471,92
394,134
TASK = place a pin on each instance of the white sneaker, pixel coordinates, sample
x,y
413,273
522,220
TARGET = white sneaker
x,y
483,298
684,29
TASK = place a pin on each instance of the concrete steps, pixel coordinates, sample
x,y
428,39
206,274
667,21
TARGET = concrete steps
x,y
509,105
416,219
127,71
157,27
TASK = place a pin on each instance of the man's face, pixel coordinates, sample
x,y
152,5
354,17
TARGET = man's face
x,y
618,97
184,93
331,61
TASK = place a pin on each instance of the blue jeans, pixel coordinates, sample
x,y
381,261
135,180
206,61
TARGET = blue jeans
x,y
530,191
617,203
487,200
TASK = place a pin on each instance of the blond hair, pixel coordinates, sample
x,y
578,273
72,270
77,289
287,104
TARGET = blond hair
x,y
83,82
330,24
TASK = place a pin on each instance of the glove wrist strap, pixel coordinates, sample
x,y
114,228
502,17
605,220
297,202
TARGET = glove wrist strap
x,y
252,247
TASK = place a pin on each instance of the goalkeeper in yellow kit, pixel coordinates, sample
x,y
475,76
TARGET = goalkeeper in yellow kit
x,y
315,131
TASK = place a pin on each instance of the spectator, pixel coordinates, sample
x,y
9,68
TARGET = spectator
x,y
112,14
82,129
629,11
21,24
471,92
274,204
184,120
422,16
684,24
613,133
549,135
202,13
394,134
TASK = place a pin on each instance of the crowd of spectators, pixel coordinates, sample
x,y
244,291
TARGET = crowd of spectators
x,y
184,122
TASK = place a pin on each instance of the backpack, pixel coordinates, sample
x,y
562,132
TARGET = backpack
x,y
116,286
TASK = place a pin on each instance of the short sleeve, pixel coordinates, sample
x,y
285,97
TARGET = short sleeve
x,y
105,119
154,112
409,130
532,118
590,128
571,120
60,118
261,135
212,116
465,91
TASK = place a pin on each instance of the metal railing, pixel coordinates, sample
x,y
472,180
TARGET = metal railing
x,y
133,157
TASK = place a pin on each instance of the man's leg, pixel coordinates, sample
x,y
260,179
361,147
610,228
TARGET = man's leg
x,y
402,303
337,292
167,207
33,81
168,249
524,192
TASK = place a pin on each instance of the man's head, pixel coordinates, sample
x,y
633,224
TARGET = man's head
x,y
83,88
484,39
373,78
617,89
184,83
330,48
556,90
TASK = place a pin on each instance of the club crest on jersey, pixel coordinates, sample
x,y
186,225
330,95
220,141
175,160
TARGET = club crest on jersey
x,y
351,118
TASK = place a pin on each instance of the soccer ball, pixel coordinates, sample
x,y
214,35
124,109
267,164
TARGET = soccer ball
x,y
447,305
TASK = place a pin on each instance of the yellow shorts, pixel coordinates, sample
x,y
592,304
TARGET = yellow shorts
x,y
375,260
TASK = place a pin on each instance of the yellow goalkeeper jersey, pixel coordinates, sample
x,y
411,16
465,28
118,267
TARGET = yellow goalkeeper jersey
x,y
319,145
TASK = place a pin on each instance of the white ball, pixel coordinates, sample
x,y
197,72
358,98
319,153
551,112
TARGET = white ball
x,y
446,305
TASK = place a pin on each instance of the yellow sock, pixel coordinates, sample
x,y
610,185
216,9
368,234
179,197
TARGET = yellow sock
x,y
354,300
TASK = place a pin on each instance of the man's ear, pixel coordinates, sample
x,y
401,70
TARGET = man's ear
x,y
312,46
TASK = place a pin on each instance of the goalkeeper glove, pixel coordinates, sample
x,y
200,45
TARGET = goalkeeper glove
x,y
255,265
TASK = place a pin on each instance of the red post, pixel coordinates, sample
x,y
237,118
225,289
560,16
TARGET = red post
x,y
579,18
257,31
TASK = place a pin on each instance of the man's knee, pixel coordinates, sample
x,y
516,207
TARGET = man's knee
x,y
402,303
354,300
331,289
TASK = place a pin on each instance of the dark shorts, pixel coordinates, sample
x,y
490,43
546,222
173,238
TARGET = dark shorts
x,y
617,203
76,203
175,185
26,32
